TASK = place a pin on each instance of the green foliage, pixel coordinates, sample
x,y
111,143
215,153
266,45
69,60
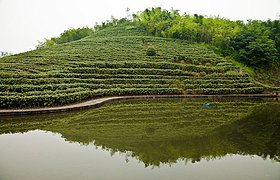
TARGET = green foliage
x,y
257,44
68,36
274,27
130,27
151,51
112,23
269,77
259,53
254,47
156,20
73,35
79,33
195,28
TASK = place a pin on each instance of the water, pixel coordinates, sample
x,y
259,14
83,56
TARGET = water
x,y
151,139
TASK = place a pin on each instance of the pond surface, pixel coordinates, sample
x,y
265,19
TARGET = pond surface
x,y
146,139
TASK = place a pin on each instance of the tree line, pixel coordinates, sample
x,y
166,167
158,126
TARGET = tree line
x,y
255,43
69,35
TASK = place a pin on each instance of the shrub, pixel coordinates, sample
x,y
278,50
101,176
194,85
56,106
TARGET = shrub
x,y
151,51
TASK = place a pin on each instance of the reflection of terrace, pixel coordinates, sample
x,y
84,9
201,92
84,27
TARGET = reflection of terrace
x,y
254,133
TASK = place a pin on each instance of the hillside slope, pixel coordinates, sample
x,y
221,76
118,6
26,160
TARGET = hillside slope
x,y
113,61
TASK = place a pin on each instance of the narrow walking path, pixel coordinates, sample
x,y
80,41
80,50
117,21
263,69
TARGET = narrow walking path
x,y
95,103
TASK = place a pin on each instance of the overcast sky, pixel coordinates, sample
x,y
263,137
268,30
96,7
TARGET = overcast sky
x,y
24,22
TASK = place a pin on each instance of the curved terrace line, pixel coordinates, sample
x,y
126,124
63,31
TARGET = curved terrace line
x,y
95,103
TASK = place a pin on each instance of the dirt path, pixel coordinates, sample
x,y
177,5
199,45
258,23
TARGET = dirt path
x,y
95,103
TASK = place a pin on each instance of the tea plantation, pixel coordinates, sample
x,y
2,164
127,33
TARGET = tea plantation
x,y
115,61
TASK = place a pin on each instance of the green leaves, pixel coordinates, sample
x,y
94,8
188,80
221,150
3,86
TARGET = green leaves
x,y
62,98
254,46
151,51
67,36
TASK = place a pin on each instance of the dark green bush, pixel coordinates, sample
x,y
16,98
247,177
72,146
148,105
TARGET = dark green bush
x,y
151,51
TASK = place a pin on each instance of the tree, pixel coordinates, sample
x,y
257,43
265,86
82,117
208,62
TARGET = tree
x,y
259,53
253,45
274,27
73,35
67,36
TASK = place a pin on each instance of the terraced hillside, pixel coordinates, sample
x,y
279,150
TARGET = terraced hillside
x,y
113,61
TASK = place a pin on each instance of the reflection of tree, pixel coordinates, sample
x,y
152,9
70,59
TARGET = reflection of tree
x,y
254,129
258,133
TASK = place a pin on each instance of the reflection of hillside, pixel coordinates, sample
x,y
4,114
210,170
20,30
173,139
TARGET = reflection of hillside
x,y
255,134
258,133
163,131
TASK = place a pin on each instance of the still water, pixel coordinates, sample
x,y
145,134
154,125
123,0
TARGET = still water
x,y
146,139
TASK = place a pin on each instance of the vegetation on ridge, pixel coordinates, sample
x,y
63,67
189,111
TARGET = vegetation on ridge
x,y
255,43
67,36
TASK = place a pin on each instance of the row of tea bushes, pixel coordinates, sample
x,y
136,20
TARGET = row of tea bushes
x,y
12,101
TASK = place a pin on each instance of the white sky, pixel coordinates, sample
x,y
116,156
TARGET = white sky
x,y
23,22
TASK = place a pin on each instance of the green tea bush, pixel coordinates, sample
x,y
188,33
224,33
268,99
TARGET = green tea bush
x,y
151,51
